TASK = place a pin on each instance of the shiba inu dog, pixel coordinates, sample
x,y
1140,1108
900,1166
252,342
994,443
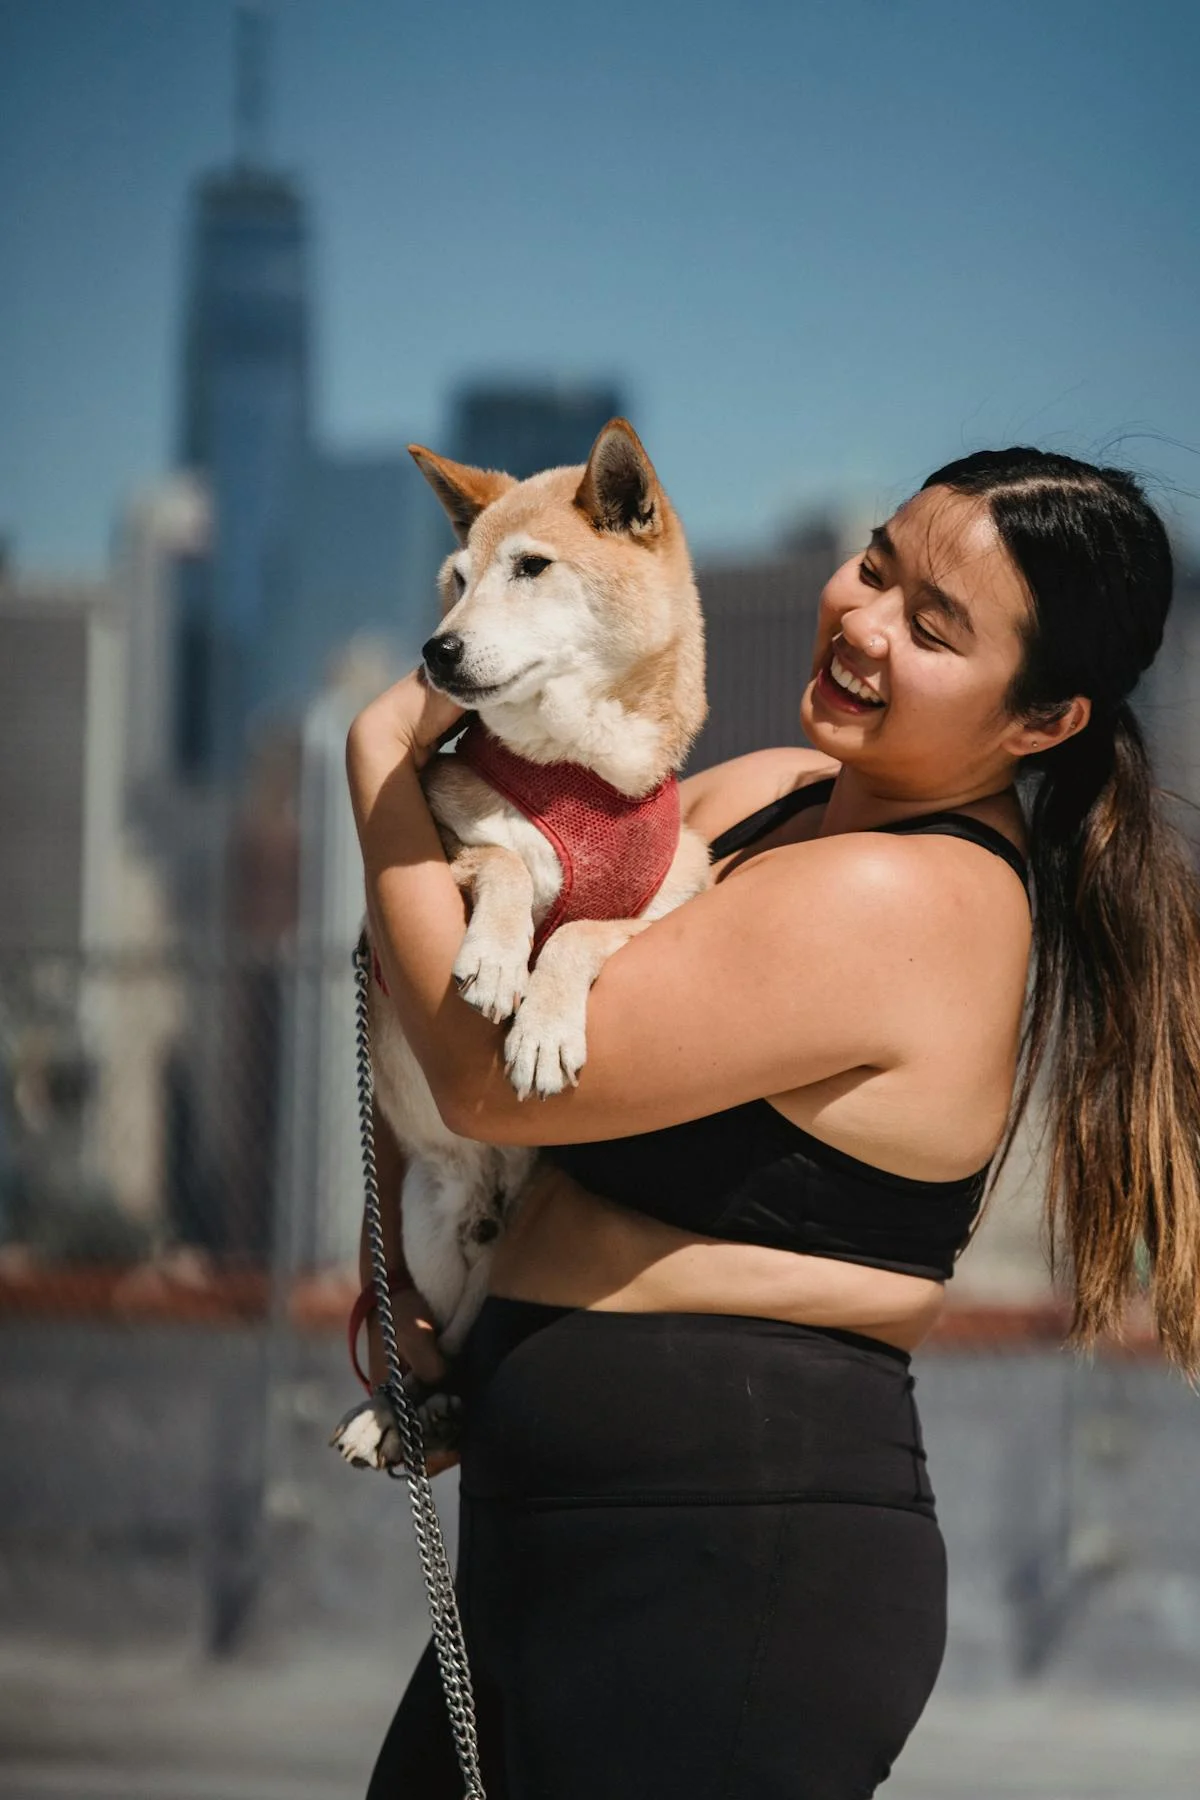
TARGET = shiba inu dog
x,y
572,629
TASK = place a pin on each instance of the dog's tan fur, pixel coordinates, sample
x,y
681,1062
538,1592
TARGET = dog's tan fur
x,y
616,683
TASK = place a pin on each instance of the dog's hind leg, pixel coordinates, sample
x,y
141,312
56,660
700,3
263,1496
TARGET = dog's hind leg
x,y
478,1230
434,1198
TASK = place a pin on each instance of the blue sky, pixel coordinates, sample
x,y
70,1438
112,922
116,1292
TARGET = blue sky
x,y
824,246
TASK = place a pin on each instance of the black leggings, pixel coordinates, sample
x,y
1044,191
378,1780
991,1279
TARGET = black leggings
x,y
698,1557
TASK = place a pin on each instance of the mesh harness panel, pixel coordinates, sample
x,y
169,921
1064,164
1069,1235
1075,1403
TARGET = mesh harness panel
x,y
614,851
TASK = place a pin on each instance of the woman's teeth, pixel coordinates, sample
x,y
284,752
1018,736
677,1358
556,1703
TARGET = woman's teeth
x,y
842,675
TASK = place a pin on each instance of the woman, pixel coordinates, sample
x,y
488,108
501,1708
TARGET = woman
x,y
699,1552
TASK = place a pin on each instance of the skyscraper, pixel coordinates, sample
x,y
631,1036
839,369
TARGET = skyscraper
x,y
244,423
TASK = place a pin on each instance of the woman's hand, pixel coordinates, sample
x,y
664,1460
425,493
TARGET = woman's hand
x,y
406,723
416,1336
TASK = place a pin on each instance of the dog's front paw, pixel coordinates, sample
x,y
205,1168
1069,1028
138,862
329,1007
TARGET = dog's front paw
x,y
544,1052
492,976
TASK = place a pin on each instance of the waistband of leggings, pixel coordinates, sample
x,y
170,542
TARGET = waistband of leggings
x,y
568,1406
519,1319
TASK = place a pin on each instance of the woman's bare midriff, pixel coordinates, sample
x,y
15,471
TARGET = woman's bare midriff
x,y
566,1247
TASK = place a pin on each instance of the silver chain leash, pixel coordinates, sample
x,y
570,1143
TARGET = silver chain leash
x,y
431,1547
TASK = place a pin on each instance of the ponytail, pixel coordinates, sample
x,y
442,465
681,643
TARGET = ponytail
x,y
1115,1010
1115,1007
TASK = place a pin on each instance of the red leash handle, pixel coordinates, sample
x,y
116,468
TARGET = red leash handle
x,y
363,1309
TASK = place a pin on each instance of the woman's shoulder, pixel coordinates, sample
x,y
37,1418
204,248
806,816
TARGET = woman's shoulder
x,y
714,799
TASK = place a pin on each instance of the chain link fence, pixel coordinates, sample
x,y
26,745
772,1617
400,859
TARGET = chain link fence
x,y
180,1197
177,1109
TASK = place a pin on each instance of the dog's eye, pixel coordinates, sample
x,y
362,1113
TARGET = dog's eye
x,y
460,581
527,567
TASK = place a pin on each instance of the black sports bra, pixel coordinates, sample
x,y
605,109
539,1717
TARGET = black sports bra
x,y
749,1175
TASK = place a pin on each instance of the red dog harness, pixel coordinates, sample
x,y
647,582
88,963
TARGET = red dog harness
x,y
615,851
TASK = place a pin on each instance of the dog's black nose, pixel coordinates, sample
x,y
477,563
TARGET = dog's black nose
x,y
443,654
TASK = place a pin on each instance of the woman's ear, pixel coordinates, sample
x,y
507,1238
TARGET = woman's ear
x,y
1052,729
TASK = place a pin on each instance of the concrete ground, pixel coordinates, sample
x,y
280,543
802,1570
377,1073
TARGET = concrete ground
x,y
80,1725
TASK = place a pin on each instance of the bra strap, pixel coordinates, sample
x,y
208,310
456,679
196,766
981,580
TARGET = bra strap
x,y
816,793
748,831
972,831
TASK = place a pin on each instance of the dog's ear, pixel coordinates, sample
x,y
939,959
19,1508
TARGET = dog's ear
x,y
619,490
464,492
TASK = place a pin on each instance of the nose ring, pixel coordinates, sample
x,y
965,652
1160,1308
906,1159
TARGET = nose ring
x,y
873,640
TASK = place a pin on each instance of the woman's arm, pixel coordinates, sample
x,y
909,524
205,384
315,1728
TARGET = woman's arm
x,y
810,963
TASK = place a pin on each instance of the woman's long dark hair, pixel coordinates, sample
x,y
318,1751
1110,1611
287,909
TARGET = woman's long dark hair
x,y
1115,1006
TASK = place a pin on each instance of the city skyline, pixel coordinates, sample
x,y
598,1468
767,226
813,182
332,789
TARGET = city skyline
x,y
820,256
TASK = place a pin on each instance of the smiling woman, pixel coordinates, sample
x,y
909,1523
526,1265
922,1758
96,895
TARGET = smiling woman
x,y
700,1548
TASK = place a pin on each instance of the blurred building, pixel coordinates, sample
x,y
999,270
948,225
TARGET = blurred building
x,y
61,758
320,1167
82,1043
369,535
245,428
760,620
522,427
161,554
